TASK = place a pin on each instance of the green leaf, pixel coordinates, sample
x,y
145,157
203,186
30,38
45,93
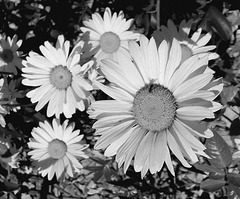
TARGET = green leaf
x,y
219,23
228,93
9,186
234,179
208,168
3,149
94,168
218,150
99,160
5,131
233,191
216,176
212,185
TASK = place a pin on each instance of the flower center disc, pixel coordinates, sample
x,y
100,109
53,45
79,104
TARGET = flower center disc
x,y
7,55
57,149
186,52
61,77
154,107
109,42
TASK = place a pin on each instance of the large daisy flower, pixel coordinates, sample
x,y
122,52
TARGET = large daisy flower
x,y
9,56
191,45
55,149
107,37
59,78
157,103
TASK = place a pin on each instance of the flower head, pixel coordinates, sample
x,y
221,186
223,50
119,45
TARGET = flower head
x,y
59,78
107,37
9,56
194,45
55,149
156,108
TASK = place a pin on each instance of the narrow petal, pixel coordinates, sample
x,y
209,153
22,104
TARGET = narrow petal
x,y
173,146
173,63
143,152
194,113
158,151
114,146
192,85
113,134
115,93
113,73
163,51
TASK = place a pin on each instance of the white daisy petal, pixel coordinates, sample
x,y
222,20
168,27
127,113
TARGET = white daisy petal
x,y
182,73
114,146
138,59
194,113
111,71
173,146
204,40
158,152
175,55
114,92
192,85
143,152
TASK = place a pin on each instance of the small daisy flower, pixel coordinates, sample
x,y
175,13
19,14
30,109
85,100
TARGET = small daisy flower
x,y
59,78
194,45
156,108
55,149
107,37
9,56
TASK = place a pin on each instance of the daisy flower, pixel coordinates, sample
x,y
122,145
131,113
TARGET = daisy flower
x,y
9,56
157,103
107,37
55,149
191,45
59,78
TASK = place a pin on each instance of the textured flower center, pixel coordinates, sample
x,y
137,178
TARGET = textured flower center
x,y
61,77
57,149
186,52
6,55
109,42
154,107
